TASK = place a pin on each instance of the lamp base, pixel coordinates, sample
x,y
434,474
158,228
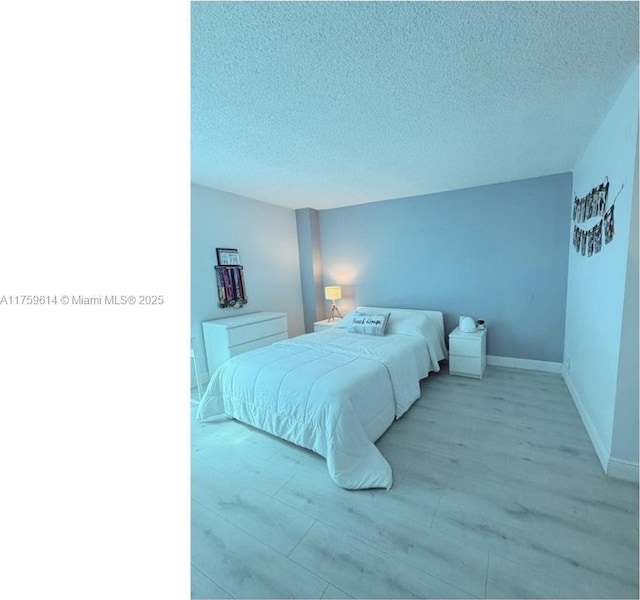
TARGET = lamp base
x,y
334,314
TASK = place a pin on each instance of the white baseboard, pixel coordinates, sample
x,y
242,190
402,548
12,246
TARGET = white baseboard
x,y
598,445
623,469
524,363
612,466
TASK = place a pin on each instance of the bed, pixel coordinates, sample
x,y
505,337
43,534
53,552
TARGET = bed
x,y
336,391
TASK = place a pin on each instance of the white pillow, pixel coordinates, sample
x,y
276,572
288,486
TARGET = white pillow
x,y
368,323
401,320
406,321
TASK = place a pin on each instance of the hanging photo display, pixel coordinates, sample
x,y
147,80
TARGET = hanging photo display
x,y
231,287
588,242
230,279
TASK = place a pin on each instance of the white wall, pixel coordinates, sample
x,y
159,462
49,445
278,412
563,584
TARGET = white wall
x,y
597,285
266,238
624,445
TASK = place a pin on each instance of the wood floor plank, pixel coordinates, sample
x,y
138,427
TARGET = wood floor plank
x,y
272,522
542,541
244,453
242,565
365,572
397,522
535,424
333,592
508,579
203,587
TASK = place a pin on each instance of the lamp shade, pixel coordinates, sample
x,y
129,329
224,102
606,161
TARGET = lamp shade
x,y
332,292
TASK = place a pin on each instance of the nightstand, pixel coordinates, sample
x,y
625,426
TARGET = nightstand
x,y
322,325
468,353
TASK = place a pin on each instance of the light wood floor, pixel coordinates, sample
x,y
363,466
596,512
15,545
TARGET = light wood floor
x,y
497,493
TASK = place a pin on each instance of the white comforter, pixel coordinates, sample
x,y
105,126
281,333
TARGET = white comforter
x,y
333,392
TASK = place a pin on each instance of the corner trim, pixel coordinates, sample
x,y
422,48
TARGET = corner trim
x,y
596,441
524,363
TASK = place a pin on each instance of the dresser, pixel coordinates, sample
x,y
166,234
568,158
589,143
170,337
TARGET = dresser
x,y
468,352
224,338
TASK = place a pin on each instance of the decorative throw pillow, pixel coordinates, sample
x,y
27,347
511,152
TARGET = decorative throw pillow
x,y
370,324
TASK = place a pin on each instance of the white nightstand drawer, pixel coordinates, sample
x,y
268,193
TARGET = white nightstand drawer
x,y
464,346
468,352
465,365
262,329
252,345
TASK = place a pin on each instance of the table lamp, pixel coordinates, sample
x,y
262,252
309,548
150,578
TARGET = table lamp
x,y
333,293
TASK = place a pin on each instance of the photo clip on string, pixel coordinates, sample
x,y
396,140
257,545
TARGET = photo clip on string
x,y
588,241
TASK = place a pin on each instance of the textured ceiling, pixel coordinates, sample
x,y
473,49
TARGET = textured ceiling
x,y
326,104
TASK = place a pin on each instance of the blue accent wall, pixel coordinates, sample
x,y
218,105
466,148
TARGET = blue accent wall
x,y
496,252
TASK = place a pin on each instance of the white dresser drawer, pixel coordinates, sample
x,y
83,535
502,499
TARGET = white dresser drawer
x,y
465,365
254,344
464,346
224,338
254,331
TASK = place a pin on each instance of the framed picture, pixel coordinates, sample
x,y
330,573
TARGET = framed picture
x,y
228,256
